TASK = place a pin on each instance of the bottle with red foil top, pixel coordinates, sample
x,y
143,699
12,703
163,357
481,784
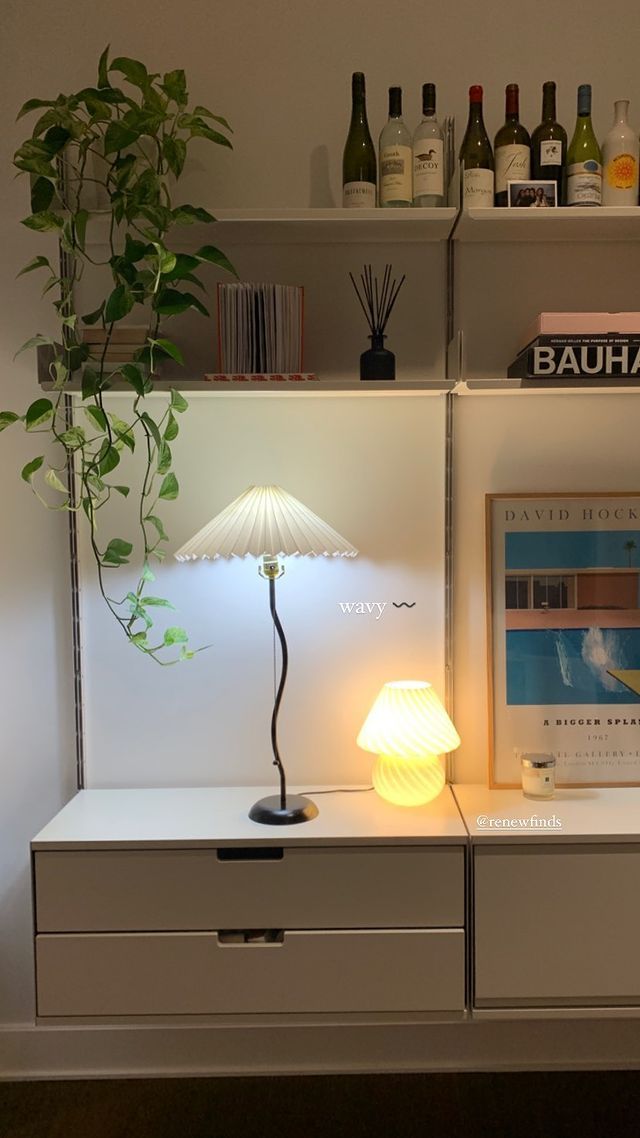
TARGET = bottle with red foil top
x,y
512,148
476,158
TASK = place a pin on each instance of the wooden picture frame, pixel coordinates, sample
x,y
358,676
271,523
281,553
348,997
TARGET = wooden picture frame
x,y
563,635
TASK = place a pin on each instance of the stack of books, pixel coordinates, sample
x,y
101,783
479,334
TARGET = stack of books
x,y
260,328
580,348
124,342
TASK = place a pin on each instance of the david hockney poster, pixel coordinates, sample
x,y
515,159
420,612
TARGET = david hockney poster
x,y
564,636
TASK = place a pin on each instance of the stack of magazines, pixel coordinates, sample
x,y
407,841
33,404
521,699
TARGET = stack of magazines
x,y
260,328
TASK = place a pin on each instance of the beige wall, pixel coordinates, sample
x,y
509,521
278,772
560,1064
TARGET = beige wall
x,y
280,72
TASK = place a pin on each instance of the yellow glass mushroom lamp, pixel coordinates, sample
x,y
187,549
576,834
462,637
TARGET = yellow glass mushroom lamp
x,y
408,729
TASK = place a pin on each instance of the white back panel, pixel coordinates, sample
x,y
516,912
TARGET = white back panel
x,y
370,466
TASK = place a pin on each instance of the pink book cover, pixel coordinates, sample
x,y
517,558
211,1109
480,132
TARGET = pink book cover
x,y
581,324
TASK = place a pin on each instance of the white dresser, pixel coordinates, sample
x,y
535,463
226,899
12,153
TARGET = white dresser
x,y
556,898
171,902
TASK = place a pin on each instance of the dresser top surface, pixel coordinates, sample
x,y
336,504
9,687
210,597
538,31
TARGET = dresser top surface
x,y
214,816
578,814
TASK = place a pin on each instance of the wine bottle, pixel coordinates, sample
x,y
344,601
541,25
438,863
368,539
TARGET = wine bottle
x,y
512,148
549,146
428,154
395,156
476,158
359,158
584,157
620,160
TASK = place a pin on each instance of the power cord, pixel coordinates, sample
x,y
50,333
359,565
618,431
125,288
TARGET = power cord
x,y
340,790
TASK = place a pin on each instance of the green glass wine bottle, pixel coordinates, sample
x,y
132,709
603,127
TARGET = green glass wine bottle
x,y
476,158
584,157
359,159
549,145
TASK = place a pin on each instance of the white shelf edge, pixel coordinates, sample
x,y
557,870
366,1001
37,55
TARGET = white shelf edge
x,y
489,387
564,223
347,389
307,226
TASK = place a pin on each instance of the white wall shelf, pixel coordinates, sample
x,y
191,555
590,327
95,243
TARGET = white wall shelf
x,y
333,388
565,223
371,226
525,387
306,227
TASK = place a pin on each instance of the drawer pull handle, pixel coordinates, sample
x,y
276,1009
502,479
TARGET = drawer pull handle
x,y
250,853
251,936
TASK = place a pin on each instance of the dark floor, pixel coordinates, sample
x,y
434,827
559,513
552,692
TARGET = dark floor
x,y
540,1105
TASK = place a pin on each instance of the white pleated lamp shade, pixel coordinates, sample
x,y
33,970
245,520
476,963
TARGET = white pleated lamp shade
x,y
265,521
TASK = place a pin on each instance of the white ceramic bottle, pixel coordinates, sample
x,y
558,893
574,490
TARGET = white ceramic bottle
x,y
620,160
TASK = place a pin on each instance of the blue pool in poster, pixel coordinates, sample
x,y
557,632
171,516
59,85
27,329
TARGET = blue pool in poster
x,y
569,665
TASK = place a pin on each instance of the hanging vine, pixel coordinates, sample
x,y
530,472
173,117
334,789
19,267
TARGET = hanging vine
x,y
131,146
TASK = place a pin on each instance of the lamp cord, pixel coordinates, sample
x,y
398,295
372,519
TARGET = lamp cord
x,y
277,761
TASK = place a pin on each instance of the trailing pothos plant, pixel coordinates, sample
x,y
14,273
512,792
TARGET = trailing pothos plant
x,y
129,135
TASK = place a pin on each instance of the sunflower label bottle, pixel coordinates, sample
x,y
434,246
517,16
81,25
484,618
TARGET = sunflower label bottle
x,y
620,160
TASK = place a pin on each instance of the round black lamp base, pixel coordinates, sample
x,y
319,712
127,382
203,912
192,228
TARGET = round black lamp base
x,y
272,813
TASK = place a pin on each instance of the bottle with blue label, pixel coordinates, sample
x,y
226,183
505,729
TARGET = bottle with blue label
x,y
584,157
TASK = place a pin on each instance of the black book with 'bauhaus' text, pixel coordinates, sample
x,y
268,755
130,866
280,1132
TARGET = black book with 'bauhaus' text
x,y
579,357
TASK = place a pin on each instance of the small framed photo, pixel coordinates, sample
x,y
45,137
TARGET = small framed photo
x,y
532,195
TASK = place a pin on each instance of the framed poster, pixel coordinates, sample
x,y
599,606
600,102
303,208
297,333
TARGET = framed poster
x,y
563,615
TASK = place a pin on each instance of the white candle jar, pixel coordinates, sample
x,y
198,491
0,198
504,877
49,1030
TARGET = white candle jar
x,y
538,776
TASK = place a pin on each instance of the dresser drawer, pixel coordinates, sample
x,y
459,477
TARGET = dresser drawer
x,y
192,889
557,926
194,973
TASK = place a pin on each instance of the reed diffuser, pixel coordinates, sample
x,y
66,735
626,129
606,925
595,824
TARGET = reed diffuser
x,y
377,300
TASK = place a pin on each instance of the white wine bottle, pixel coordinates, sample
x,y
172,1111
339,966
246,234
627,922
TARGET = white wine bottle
x,y
512,148
584,158
476,158
395,156
620,160
359,158
428,154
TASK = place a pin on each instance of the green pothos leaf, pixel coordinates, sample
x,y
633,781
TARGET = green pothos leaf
x,y
52,480
30,469
117,552
164,458
169,488
172,428
178,401
175,636
156,522
38,413
7,418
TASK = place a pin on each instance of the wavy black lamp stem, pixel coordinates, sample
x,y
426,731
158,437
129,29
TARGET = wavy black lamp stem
x,y
281,809
284,667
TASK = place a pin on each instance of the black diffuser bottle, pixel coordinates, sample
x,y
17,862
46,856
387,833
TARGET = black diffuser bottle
x,y
377,362
377,301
